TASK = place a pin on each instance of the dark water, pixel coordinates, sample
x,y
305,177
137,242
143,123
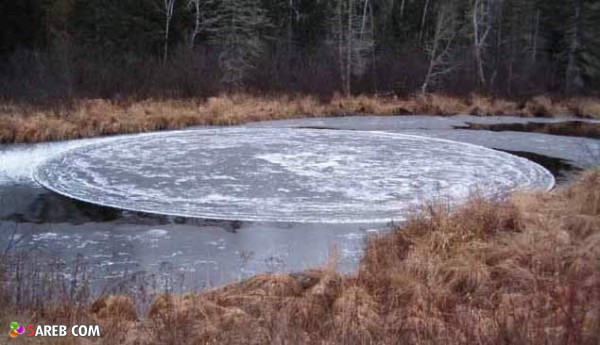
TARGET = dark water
x,y
562,170
116,245
567,128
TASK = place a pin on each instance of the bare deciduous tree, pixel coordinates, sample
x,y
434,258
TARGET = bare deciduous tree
x,y
481,16
353,36
439,49
423,18
574,81
200,21
237,35
169,5
195,5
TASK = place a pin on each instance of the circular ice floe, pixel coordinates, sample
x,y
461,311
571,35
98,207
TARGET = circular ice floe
x,y
284,174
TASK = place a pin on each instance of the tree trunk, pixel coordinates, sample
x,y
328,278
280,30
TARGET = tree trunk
x,y
373,60
534,47
196,4
478,41
402,8
432,58
341,40
169,4
349,48
574,82
423,18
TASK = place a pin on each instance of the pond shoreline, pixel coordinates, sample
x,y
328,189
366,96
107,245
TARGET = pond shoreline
x,y
85,118
217,270
456,276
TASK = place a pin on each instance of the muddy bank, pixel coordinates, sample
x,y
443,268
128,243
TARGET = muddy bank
x,y
567,128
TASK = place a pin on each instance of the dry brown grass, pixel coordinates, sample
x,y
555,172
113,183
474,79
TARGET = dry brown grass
x,y
522,271
97,117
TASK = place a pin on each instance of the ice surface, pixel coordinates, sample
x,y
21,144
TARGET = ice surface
x,y
283,174
17,162
581,152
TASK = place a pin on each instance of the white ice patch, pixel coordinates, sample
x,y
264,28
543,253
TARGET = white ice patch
x,y
156,233
17,162
45,236
283,174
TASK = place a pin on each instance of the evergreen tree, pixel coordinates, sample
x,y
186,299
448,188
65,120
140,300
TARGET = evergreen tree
x,y
514,47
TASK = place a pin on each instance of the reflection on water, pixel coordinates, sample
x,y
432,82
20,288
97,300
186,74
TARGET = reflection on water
x,y
188,253
53,208
115,244
562,170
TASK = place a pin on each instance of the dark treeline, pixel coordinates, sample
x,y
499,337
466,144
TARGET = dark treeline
x,y
184,48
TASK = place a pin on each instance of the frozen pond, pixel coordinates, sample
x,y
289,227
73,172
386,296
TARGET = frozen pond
x,y
206,252
284,175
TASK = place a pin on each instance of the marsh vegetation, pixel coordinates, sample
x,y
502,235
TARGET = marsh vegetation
x,y
520,271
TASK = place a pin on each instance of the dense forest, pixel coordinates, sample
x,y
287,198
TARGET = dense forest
x,y
196,48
